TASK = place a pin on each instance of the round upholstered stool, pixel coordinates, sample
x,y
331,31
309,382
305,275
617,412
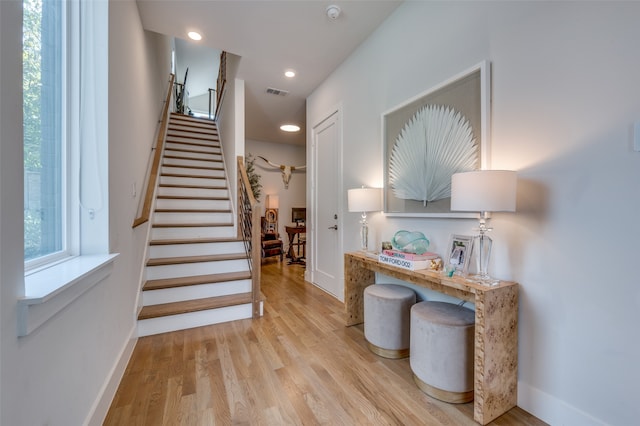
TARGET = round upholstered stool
x,y
387,315
442,343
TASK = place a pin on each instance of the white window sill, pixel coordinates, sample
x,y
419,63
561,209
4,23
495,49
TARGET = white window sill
x,y
50,290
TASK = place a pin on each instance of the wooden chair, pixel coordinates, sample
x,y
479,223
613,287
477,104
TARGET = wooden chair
x,y
271,243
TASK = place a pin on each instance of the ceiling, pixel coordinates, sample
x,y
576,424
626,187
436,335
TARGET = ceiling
x,y
272,36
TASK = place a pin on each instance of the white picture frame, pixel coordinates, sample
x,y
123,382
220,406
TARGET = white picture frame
x,y
468,92
460,247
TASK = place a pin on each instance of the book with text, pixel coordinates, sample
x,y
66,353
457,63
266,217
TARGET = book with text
x,y
410,256
404,263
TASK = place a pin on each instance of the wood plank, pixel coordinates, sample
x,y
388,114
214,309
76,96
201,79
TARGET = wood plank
x,y
176,308
194,240
186,166
190,225
195,280
273,371
175,185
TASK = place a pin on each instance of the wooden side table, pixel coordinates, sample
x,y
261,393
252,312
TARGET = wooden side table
x,y
496,326
294,241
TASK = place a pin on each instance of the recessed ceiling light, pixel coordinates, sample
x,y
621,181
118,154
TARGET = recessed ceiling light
x,y
290,128
194,35
290,73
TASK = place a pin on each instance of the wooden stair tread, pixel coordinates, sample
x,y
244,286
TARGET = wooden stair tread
x,y
171,241
189,176
195,280
216,144
196,136
183,166
175,185
192,151
176,308
189,127
191,197
181,157
191,225
193,211
195,259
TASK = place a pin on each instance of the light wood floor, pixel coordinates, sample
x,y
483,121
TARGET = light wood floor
x,y
298,365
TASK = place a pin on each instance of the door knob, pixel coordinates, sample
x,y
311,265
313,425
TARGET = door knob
x,y
333,227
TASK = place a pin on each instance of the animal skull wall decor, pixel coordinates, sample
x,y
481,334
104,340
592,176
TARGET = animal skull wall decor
x,y
285,170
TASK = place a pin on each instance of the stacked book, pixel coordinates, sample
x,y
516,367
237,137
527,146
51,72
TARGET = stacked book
x,y
411,261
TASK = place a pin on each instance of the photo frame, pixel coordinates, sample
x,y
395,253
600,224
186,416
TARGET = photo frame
x,y
468,94
271,218
460,247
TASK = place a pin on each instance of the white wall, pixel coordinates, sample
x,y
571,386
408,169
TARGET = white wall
x,y
58,374
271,178
565,96
231,123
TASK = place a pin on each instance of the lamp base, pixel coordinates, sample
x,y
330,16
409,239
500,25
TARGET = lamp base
x,y
482,246
484,280
364,233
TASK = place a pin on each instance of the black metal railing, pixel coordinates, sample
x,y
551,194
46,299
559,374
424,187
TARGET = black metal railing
x,y
249,231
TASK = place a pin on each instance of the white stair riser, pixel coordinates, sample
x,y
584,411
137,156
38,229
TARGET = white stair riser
x,y
176,127
172,204
193,192
193,137
194,124
212,149
193,292
205,181
196,155
193,172
193,232
152,326
200,268
195,249
192,217
178,162
213,141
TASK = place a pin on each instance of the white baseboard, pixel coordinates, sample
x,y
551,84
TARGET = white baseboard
x,y
101,406
551,409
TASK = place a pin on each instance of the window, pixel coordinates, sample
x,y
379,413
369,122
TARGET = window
x,y
65,107
45,142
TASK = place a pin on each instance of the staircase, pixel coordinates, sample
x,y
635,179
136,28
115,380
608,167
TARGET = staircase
x,y
197,272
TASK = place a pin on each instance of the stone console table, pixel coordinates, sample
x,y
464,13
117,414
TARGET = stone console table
x,y
496,327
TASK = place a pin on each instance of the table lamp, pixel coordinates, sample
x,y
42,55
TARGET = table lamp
x,y
364,200
484,191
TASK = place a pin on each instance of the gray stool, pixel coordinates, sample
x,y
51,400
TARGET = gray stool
x,y
442,344
387,315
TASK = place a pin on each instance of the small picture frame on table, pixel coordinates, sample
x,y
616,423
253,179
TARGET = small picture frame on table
x,y
460,252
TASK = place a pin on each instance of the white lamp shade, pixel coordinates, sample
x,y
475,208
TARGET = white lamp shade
x,y
272,202
484,191
364,199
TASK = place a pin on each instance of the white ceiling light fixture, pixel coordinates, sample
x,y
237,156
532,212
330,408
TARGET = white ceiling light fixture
x,y
290,73
333,12
290,128
193,35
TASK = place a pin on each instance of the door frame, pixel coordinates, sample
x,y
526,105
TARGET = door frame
x,y
311,197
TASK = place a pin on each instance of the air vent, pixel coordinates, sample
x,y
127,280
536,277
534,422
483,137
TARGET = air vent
x,y
277,92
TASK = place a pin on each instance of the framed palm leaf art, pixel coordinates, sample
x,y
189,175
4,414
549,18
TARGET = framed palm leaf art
x,y
428,138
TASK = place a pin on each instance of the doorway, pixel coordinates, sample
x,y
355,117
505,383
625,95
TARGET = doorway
x,y
327,260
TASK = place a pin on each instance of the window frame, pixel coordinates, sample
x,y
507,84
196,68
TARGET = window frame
x,y
50,287
70,75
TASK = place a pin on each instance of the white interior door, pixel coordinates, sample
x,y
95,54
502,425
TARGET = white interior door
x,y
327,262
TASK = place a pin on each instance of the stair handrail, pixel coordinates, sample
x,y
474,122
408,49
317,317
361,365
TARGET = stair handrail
x,y
221,82
249,212
152,177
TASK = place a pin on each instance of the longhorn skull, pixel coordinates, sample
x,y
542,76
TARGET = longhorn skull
x,y
285,170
